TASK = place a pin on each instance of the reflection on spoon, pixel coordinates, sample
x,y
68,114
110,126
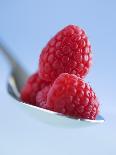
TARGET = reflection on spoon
x,y
16,81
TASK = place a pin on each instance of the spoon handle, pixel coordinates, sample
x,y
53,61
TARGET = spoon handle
x,y
5,51
17,71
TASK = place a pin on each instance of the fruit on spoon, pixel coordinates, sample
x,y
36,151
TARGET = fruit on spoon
x,y
31,88
58,84
69,51
71,96
41,97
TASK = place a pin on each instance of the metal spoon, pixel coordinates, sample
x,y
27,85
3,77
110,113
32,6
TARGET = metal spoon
x,y
16,81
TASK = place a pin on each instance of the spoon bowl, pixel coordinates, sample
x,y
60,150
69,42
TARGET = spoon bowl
x,y
16,81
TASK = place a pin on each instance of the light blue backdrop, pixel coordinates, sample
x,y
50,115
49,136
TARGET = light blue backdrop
x,y
26,26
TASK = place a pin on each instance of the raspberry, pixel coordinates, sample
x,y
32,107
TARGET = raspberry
x,y
71,96
30,89
41,97
69,51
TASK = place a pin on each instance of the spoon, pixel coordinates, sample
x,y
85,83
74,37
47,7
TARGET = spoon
x,y
16,80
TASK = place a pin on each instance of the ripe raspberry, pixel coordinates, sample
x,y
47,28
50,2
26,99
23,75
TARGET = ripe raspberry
x,y
69,51
30,89
71,96
41,97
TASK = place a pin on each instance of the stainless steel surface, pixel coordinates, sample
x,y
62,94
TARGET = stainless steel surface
x,y
17,79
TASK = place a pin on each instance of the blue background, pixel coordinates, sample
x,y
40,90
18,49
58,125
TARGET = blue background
x,y
26,26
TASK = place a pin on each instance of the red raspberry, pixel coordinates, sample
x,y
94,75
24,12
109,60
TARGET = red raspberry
x,y
69,51
41,97
30,89
71,96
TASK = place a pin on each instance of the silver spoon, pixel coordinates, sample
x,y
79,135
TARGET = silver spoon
x,y
16,81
